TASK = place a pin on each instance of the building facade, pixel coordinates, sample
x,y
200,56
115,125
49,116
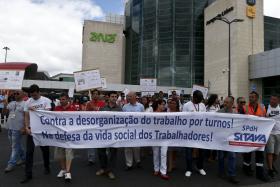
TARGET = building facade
x,y
103,49
264,73
271,33
180,43
247,38
165,40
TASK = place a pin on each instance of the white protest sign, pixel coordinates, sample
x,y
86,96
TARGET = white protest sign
x,y
148,85
103,83
71,92
11,79
126,91
147,94
216,131
203,89
86,80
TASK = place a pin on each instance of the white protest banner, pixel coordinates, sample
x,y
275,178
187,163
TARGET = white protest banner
x,y
148,85
103,83
217,131
86,80
203,89
11,79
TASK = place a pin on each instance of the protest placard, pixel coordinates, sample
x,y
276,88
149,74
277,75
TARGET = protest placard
x,y
203,89
148,85
103,83
71,92
86,80
11,79
147,94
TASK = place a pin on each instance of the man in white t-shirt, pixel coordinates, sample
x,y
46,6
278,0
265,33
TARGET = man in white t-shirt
x,y
35,102
195,105
273,144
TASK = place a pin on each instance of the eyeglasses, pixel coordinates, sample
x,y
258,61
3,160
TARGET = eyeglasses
x,y
17,93
242,102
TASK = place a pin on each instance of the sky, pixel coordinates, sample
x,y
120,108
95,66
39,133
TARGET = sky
x,y
49,32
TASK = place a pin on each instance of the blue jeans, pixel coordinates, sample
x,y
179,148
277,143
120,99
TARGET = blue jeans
x,y
199,159
91,155
17,150
231,156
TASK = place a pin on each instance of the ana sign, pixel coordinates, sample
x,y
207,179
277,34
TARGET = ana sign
x,y
100,37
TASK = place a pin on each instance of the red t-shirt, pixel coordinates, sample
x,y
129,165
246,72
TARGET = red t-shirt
x,y
68,108
77,106
95,105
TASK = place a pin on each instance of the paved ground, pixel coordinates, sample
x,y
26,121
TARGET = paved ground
x,y
84,175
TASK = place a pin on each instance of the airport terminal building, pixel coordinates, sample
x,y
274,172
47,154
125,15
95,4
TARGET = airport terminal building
x,y
181,43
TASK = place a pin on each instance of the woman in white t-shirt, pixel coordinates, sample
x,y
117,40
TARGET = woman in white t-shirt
x,y
146,103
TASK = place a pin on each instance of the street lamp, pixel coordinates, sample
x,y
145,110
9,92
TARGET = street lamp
x,y
6,48
218,76
225,20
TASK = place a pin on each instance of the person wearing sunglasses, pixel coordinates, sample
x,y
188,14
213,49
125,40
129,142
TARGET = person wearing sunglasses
x,y
240,109
15,124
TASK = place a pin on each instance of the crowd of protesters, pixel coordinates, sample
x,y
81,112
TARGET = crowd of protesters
x,y
18,105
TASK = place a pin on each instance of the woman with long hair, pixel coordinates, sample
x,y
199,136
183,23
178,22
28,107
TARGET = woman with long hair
x,y
146,102
212,104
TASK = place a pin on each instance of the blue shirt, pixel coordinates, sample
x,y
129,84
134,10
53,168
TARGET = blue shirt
x,y
138,107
